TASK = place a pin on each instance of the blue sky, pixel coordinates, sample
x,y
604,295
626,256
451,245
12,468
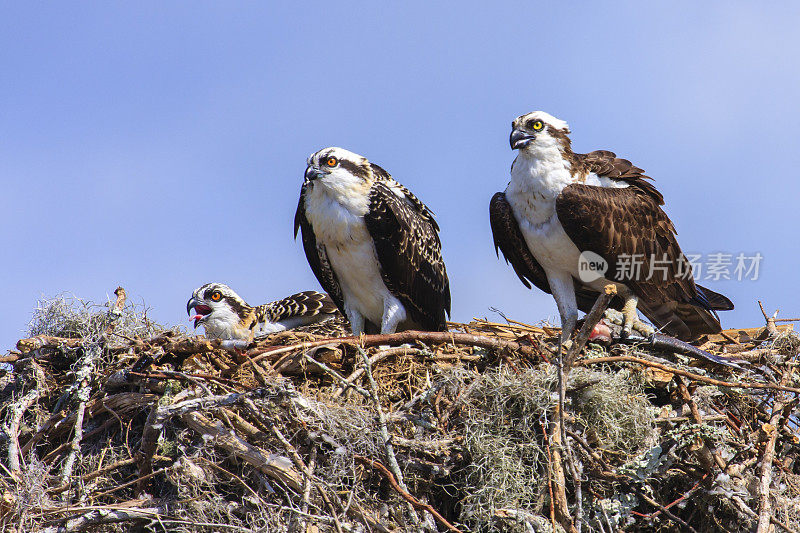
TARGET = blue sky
x,y
162,145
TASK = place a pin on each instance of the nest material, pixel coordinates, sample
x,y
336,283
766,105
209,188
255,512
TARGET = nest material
x,y
112,422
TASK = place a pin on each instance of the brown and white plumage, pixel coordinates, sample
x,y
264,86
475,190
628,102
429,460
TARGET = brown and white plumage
x,y
225,315
560,203
372,244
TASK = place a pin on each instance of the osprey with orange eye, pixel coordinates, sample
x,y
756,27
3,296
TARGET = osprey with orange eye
x,y
331,162
216,296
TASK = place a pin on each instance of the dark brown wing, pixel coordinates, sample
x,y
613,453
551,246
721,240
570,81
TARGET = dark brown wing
x,y
423,210
302,304
316,254
605,163
508,239
626,226
410,255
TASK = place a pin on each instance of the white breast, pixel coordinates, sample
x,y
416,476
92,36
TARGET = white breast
x,y
358,270
222,324
535,185
340,228
532,193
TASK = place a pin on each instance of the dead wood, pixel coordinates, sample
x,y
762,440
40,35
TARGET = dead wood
x,y
472,430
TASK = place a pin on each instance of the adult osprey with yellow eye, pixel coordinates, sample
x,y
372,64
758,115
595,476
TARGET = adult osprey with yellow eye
x,y
225,315
372,244
560,205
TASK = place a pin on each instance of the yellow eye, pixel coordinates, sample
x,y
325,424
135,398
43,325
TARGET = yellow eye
x,y
332,162
538,125
216,296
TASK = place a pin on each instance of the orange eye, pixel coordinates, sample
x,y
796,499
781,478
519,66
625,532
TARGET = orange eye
x,y
216,296
332,162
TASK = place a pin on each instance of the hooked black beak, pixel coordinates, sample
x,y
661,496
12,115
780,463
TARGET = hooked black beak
x,y
313,173
519,139
191,304
201,310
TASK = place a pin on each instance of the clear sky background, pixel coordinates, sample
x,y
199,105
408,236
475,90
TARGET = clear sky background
x,y
159,146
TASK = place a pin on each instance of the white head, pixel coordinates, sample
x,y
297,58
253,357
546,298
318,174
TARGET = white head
x,y
218,309
538,132
334,166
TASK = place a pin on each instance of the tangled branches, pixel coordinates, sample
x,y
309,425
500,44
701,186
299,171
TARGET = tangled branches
x,y
110,420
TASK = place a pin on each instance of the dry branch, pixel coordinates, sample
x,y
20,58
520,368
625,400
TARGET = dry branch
x,y
562,452
684,373
17,410
107,515
275,466
592,318
404,337
780,409
480,438
83,382
703,452
384,430
405,494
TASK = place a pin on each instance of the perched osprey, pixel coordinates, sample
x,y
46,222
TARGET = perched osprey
x,y
560,204
372,244
224,314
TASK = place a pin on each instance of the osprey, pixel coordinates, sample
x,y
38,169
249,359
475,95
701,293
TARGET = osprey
x,y
561,207
225,315
372,244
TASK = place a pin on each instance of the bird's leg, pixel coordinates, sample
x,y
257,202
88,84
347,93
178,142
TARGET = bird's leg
x,y
630,319
393,314
612,316
356,320
563,289
568,323
628,314
237,345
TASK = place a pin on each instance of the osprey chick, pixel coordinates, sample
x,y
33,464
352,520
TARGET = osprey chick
x,y
225,315
560,205
372,244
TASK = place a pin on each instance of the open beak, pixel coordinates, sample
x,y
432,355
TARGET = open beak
x,y
519,139
201,310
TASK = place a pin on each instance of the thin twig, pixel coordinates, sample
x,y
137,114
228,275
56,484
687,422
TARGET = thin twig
x,y
103,471
309,476
129,483
564,364
772,329
590,321
98,515
335,375
188,376
380,356
17,410
663,509
307,472
384,429
771,431
405,494
684,373
83,379
703,452
404,337
752,514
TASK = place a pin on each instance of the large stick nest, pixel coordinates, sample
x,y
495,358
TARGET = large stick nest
x,y
114,423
